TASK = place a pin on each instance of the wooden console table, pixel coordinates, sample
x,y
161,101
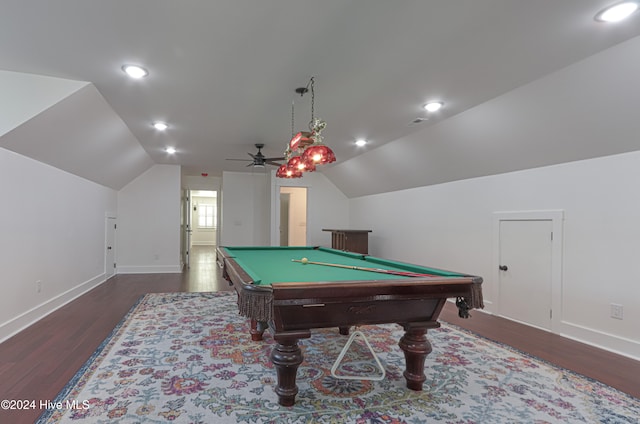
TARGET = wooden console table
x,y
351,240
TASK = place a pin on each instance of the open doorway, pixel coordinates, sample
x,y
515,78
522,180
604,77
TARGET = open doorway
x,y
201,228
204,217
293,216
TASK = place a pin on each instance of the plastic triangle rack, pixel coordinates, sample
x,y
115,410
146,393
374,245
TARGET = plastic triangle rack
x,y
344,351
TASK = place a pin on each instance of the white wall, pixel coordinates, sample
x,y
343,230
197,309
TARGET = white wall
x,y
450,226
52,229
191,182
245,209
148,236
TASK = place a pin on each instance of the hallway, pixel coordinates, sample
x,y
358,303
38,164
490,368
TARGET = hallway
x,y
203,274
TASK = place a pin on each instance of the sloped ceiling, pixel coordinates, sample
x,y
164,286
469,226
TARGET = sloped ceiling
x,y
586,110
82,135
223,75
26,95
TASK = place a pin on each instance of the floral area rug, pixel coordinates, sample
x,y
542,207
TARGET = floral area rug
x,y
188,358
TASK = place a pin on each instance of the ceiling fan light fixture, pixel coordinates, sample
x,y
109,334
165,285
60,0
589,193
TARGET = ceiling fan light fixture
x,y
135,71
617,12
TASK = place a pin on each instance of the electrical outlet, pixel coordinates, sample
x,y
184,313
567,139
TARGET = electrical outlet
x,y
616,311
38,286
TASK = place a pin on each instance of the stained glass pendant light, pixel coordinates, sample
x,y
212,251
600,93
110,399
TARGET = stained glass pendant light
x,y
305,149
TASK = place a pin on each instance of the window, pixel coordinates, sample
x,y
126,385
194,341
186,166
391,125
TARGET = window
x,y
206,215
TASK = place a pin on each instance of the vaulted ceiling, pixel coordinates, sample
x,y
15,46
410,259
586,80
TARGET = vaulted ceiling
x,y
517,78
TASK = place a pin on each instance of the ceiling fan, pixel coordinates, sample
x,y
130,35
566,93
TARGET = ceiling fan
x,y
259,160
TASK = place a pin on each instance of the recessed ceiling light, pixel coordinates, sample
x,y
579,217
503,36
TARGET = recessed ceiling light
x,y
135,71
617,12
170,150
433,106
361,142
160,126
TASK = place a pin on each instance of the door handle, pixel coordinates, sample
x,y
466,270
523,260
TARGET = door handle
x,y
108,247
503,267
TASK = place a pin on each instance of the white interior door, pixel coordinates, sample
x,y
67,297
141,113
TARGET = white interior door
x,y
525,266
110,252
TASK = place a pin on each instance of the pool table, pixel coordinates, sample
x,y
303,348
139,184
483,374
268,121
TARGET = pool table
x,y
291,298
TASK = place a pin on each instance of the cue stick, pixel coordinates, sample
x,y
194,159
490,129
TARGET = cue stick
x,y
361,268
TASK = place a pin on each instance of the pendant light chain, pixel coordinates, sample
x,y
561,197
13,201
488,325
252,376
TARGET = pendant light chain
x,y
292,133
313,98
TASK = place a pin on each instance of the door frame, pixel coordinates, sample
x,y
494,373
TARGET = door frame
x,y
557,218
185,228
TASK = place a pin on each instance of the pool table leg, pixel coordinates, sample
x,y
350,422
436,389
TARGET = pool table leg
x,y
416,347
257,330
287,356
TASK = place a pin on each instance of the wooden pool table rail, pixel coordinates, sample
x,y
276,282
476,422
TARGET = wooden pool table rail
x,y
255,301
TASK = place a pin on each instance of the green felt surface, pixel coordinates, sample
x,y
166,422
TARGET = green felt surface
x,y
267,265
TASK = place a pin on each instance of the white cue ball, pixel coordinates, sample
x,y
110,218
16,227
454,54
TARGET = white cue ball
x,y
304,261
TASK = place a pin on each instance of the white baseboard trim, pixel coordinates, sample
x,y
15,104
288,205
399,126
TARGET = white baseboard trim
x,y
605,341
150,269
620,345
26,319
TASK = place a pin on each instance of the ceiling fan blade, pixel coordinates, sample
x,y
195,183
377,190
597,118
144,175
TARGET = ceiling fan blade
x,y
259,160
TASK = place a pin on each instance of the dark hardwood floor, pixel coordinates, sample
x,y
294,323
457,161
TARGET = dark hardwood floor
x,y
37,363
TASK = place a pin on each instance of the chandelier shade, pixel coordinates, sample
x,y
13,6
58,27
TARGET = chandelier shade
x,y
285,171
300,140
301,165
318,154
